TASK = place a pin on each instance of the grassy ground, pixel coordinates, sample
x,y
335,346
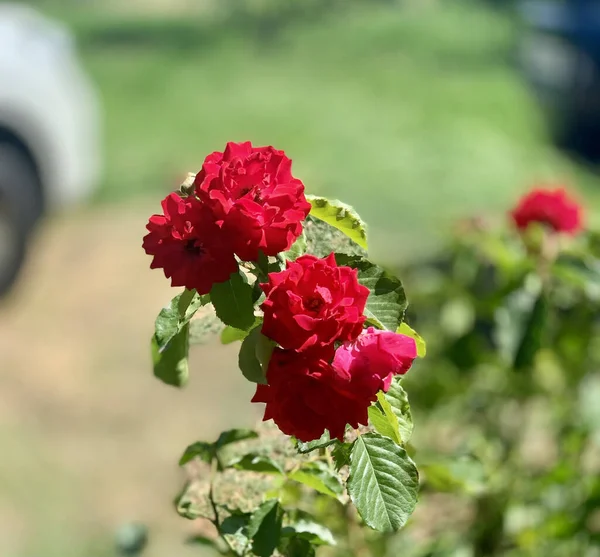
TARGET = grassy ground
x,y
414,115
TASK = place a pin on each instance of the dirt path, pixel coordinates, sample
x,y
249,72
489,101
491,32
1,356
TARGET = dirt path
x,y
89,439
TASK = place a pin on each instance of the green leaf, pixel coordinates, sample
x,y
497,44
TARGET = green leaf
x,y
264,528
253,462
208,451
201,449
341,216
185,506
341,455
298,248
176,315
234,435
264,350
387,301
298,547
233,302
404,329
398,402
170,343
322,442
382,422
231,334
171,363
319,477
309,530
248,359
233,528
532,337
235,522
322,239
383,482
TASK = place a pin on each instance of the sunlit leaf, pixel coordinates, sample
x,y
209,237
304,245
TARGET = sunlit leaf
x,y
383,482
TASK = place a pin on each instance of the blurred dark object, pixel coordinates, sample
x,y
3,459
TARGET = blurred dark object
x,y
560,55
131,539
48,129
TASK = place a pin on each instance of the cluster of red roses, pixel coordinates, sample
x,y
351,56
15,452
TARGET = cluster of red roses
x,y
245,200
326,370
552,208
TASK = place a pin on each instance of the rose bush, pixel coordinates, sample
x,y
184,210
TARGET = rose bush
x,y
234,237
508,436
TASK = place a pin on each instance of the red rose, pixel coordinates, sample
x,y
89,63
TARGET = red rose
x,y
370,363
302,397
186,243
553,208
312,304
252,190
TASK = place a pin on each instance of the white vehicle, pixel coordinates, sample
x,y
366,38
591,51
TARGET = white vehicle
x,y
49,129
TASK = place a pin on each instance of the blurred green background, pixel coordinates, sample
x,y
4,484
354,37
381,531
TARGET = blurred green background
x,y
412,111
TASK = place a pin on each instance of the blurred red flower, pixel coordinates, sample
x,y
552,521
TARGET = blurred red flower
x,y
553,208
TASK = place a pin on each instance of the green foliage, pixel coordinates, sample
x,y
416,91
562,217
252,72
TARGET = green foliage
x,y
321,443
200,449
233,436
323,239
532,338
233,302
462,475
254,356
256,463
296,546
340,216
500,403
387,301
319,477
210,451
383,482
405,329
398,406
341,455
306,528
170,342
384,420
230,334
264,528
